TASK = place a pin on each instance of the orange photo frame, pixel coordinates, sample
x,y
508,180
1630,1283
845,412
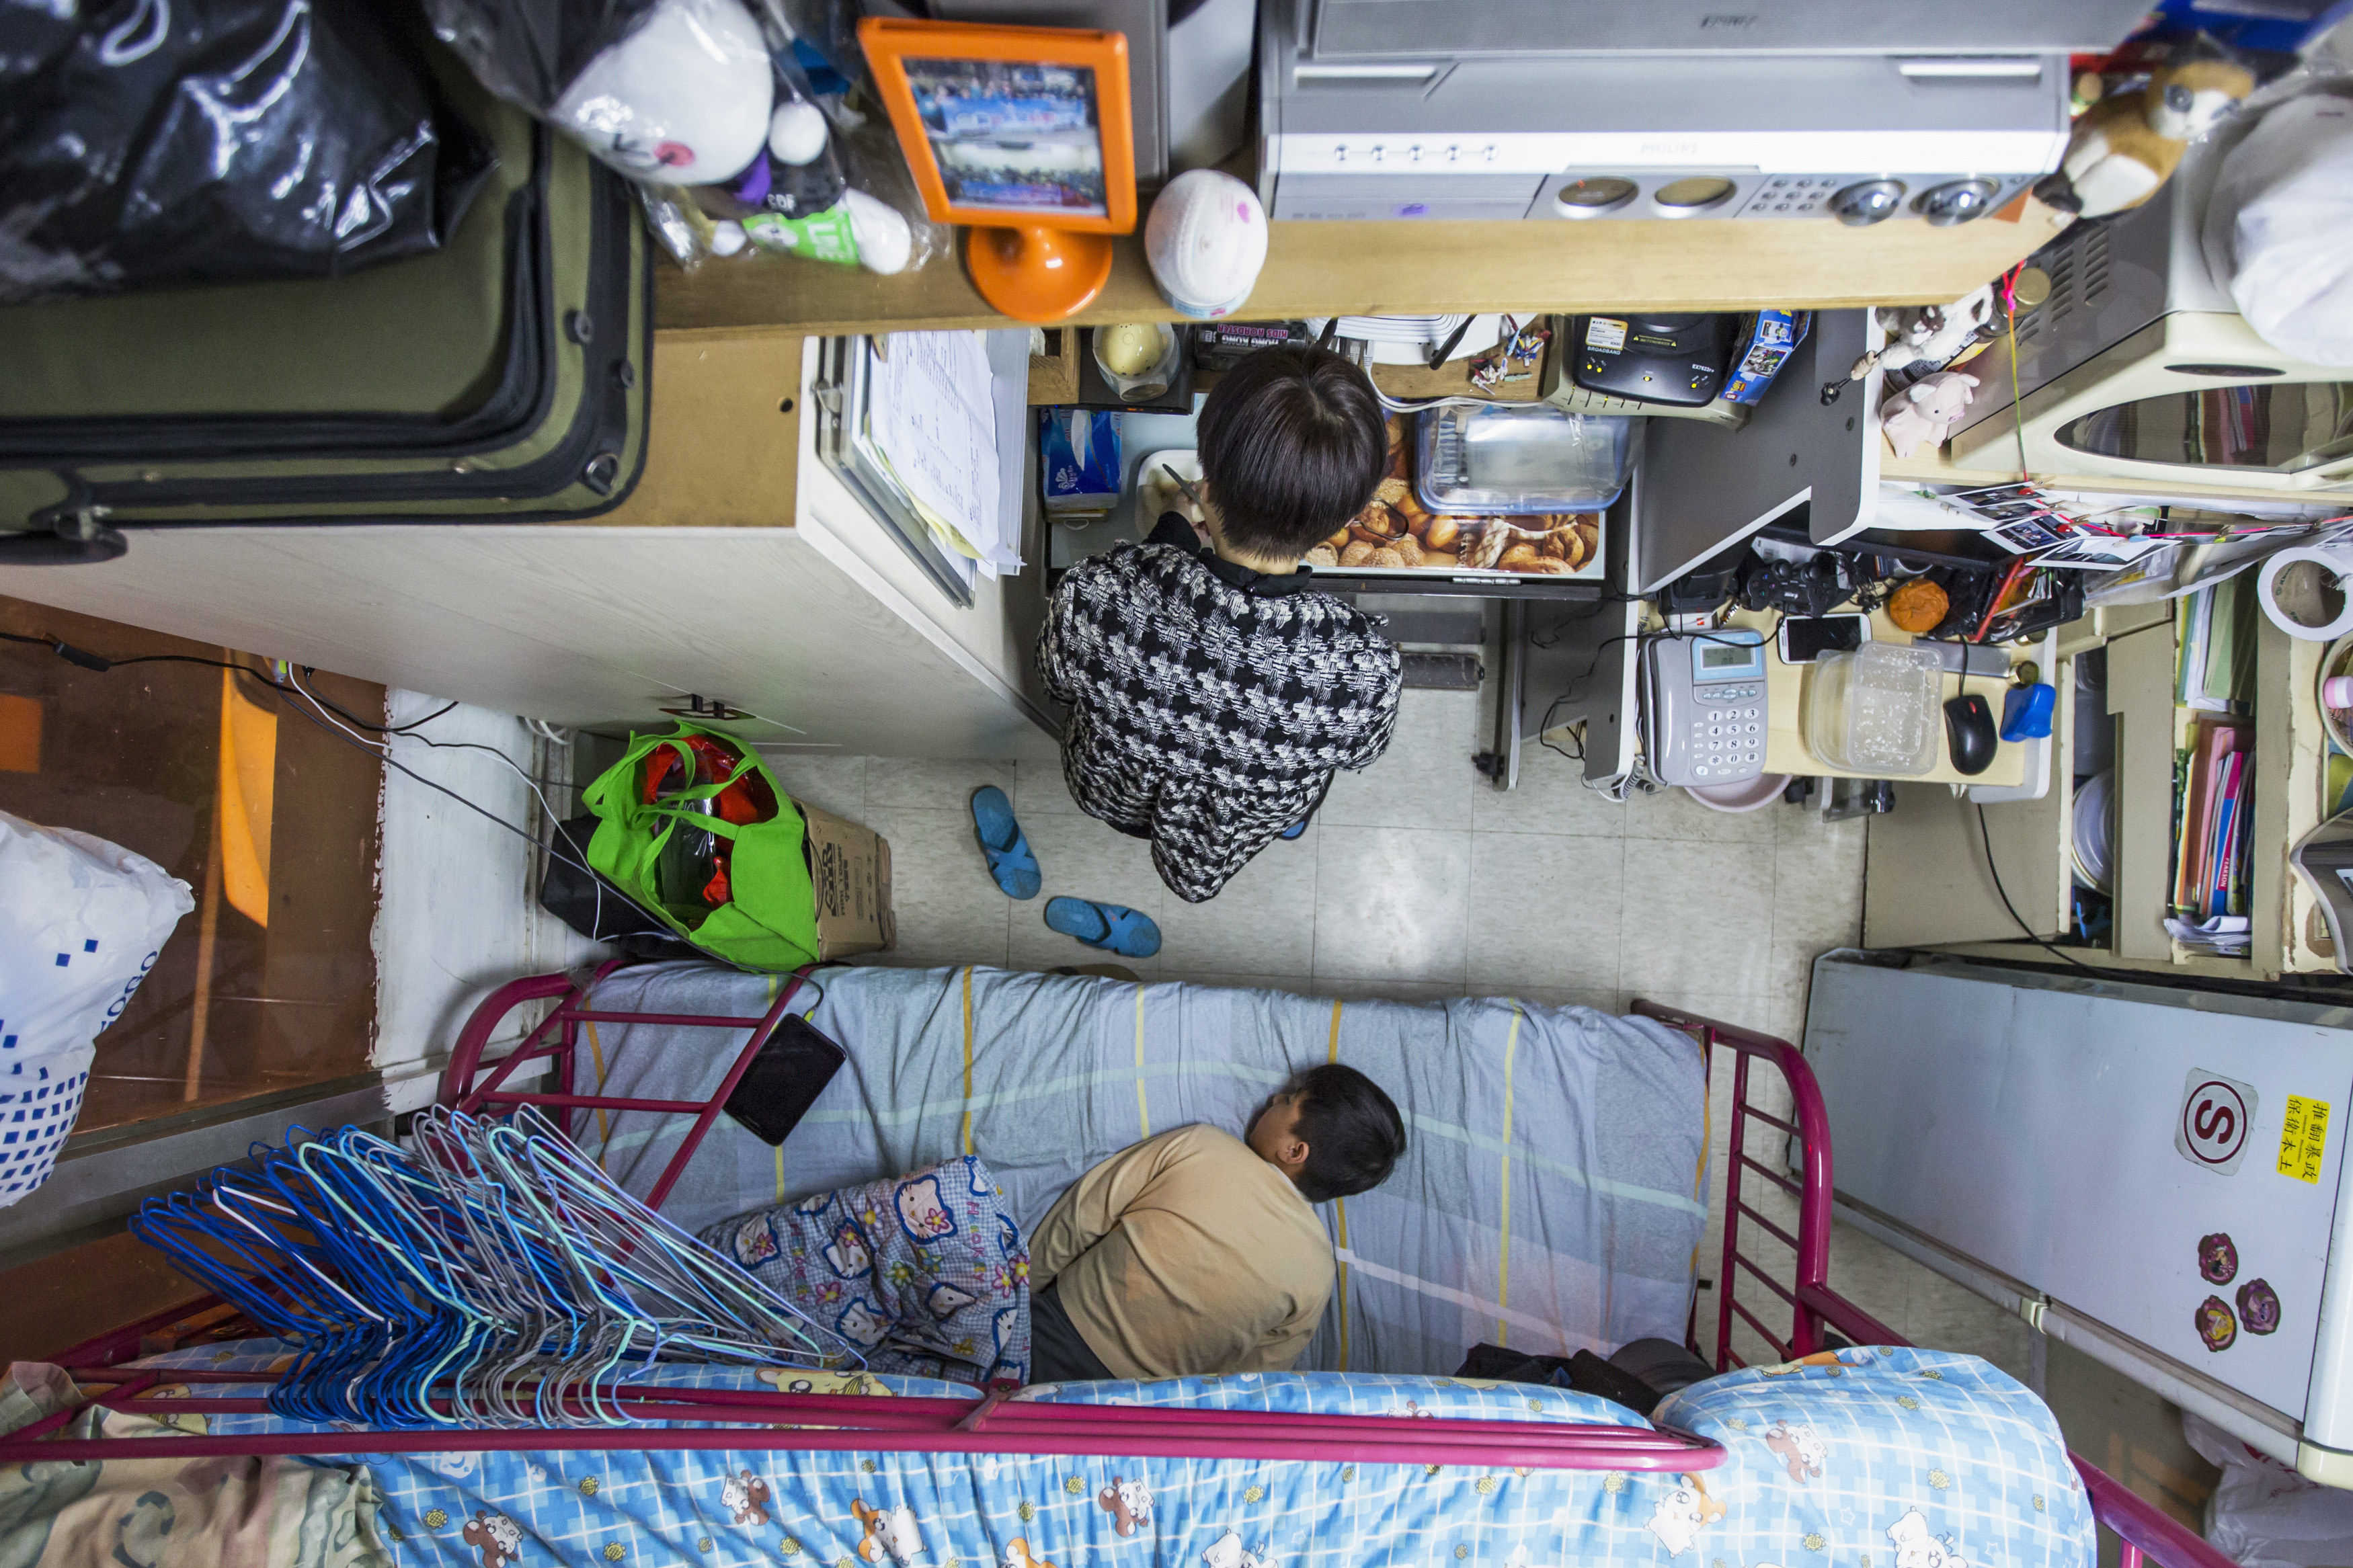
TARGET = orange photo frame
x,y
1024,134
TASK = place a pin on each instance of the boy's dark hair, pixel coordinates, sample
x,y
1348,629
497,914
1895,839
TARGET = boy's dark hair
x,y
1355,1136
1292,443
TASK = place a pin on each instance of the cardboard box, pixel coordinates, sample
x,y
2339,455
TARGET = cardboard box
x,y
849,874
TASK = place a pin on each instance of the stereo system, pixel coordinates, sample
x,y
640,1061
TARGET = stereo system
x,y
1578,110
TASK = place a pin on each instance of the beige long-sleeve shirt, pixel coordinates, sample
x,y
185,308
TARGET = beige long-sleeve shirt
x,y
1183,1255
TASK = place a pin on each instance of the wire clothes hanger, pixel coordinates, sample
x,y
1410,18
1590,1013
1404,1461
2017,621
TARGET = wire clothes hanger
x,y
489,1276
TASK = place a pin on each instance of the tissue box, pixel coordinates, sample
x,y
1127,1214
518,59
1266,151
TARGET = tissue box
x,y
1079,461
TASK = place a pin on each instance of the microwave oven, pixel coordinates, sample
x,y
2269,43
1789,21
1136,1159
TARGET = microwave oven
x,y
2139,366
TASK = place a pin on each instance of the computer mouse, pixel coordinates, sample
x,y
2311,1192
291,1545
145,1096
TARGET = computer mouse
x,y
1970,736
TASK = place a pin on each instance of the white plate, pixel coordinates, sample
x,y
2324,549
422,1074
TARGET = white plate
x,y
1153,492
2095,830
1408,340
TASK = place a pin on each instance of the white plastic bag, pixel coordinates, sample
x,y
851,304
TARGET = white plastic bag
x,y
2263,1513
81,922
2279,229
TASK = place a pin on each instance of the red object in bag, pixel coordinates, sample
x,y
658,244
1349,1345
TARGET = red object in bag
x,y
743,801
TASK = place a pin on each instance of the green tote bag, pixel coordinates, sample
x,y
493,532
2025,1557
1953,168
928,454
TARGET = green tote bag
x,y
769,921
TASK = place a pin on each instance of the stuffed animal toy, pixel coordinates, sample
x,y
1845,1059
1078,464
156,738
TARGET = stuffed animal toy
x,y
1924,414
2128,143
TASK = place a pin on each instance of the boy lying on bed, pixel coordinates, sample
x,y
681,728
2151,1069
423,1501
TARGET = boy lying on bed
x,y
1198,1252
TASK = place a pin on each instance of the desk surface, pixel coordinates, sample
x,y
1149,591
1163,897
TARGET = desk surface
x,y
1785,736
1369,269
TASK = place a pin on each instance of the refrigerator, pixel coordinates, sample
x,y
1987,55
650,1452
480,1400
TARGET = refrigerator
x,y
2152,1174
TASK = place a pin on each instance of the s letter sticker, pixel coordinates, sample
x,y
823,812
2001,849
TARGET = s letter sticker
x,y
2210,1132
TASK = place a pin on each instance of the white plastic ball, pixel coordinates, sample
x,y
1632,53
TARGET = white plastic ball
x,y
727,238
1206,241
796,131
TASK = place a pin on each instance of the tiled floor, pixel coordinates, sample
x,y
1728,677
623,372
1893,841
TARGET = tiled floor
x,y
1418,880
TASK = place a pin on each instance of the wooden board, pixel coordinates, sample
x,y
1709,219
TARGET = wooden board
x,y
1370,269
2140,693
1926,880
1054,374
1452,379
1787,686
725,426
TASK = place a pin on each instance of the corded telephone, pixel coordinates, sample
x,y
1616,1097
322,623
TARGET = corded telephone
x,y
1703,708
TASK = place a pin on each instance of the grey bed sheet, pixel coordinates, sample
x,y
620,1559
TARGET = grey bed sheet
x,y
1551,1197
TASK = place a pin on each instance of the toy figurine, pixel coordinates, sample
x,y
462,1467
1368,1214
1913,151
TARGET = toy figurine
x,y
1922,414
1934,337
2128,143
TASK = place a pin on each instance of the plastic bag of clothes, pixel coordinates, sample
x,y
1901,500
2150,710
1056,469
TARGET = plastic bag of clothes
x,y
709,105
2279,228
155,142
675,91
81,925
2263,1513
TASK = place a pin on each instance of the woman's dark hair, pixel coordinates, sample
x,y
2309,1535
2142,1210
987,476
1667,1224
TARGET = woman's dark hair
x,y
1293,444
1354,1134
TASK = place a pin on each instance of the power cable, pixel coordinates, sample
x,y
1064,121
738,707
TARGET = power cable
x,y
1986,835
85,660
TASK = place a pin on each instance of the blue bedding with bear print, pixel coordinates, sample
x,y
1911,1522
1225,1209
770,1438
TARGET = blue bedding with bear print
x,y
1876,1459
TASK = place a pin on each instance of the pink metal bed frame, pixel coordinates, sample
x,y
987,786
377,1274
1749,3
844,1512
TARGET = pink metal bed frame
x,y
989,1424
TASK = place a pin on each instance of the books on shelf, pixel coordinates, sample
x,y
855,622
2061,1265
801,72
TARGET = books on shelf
x,y
2212,843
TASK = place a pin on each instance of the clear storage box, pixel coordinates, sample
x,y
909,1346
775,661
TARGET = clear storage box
x,y
1875,710
1523,459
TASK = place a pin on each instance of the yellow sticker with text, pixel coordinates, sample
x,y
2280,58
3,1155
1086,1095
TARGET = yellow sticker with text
x,y
2304,1138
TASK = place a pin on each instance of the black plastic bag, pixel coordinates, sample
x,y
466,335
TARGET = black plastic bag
x,y
529,51
166,141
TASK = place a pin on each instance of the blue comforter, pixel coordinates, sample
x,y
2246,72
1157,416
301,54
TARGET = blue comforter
x,y
1885,1458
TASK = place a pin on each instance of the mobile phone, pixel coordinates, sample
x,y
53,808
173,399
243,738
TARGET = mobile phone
x,y
785,1079
1803,636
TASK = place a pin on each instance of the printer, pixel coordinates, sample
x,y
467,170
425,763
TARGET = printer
x,y
1578,110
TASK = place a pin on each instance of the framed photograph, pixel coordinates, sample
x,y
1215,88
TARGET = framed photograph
x,y
1010,127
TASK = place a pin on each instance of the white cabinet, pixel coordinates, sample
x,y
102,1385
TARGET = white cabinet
x,y
739,571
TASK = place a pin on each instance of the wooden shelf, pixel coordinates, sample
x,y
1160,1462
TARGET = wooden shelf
x,y
1928,887
1365,268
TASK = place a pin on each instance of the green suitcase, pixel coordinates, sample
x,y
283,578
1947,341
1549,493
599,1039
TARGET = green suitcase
x,y
502,378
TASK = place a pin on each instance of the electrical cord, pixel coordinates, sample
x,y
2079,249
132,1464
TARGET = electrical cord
x,y
85,660
1638,638
1544,728
1985,836
88,660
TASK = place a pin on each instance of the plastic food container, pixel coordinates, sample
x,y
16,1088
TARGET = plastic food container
x,y
1521,459
1875,710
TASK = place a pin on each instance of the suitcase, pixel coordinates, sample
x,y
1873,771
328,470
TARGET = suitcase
x,y
502,378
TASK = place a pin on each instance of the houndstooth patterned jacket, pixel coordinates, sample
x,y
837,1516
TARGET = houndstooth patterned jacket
x,y
1210,706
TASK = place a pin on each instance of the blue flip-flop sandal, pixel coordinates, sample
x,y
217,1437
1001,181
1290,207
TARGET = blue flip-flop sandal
x,y
1114,928
1001,841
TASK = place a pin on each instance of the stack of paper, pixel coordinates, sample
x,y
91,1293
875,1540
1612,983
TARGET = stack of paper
x,y
2212,852
2214,668
2225,936
933,416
